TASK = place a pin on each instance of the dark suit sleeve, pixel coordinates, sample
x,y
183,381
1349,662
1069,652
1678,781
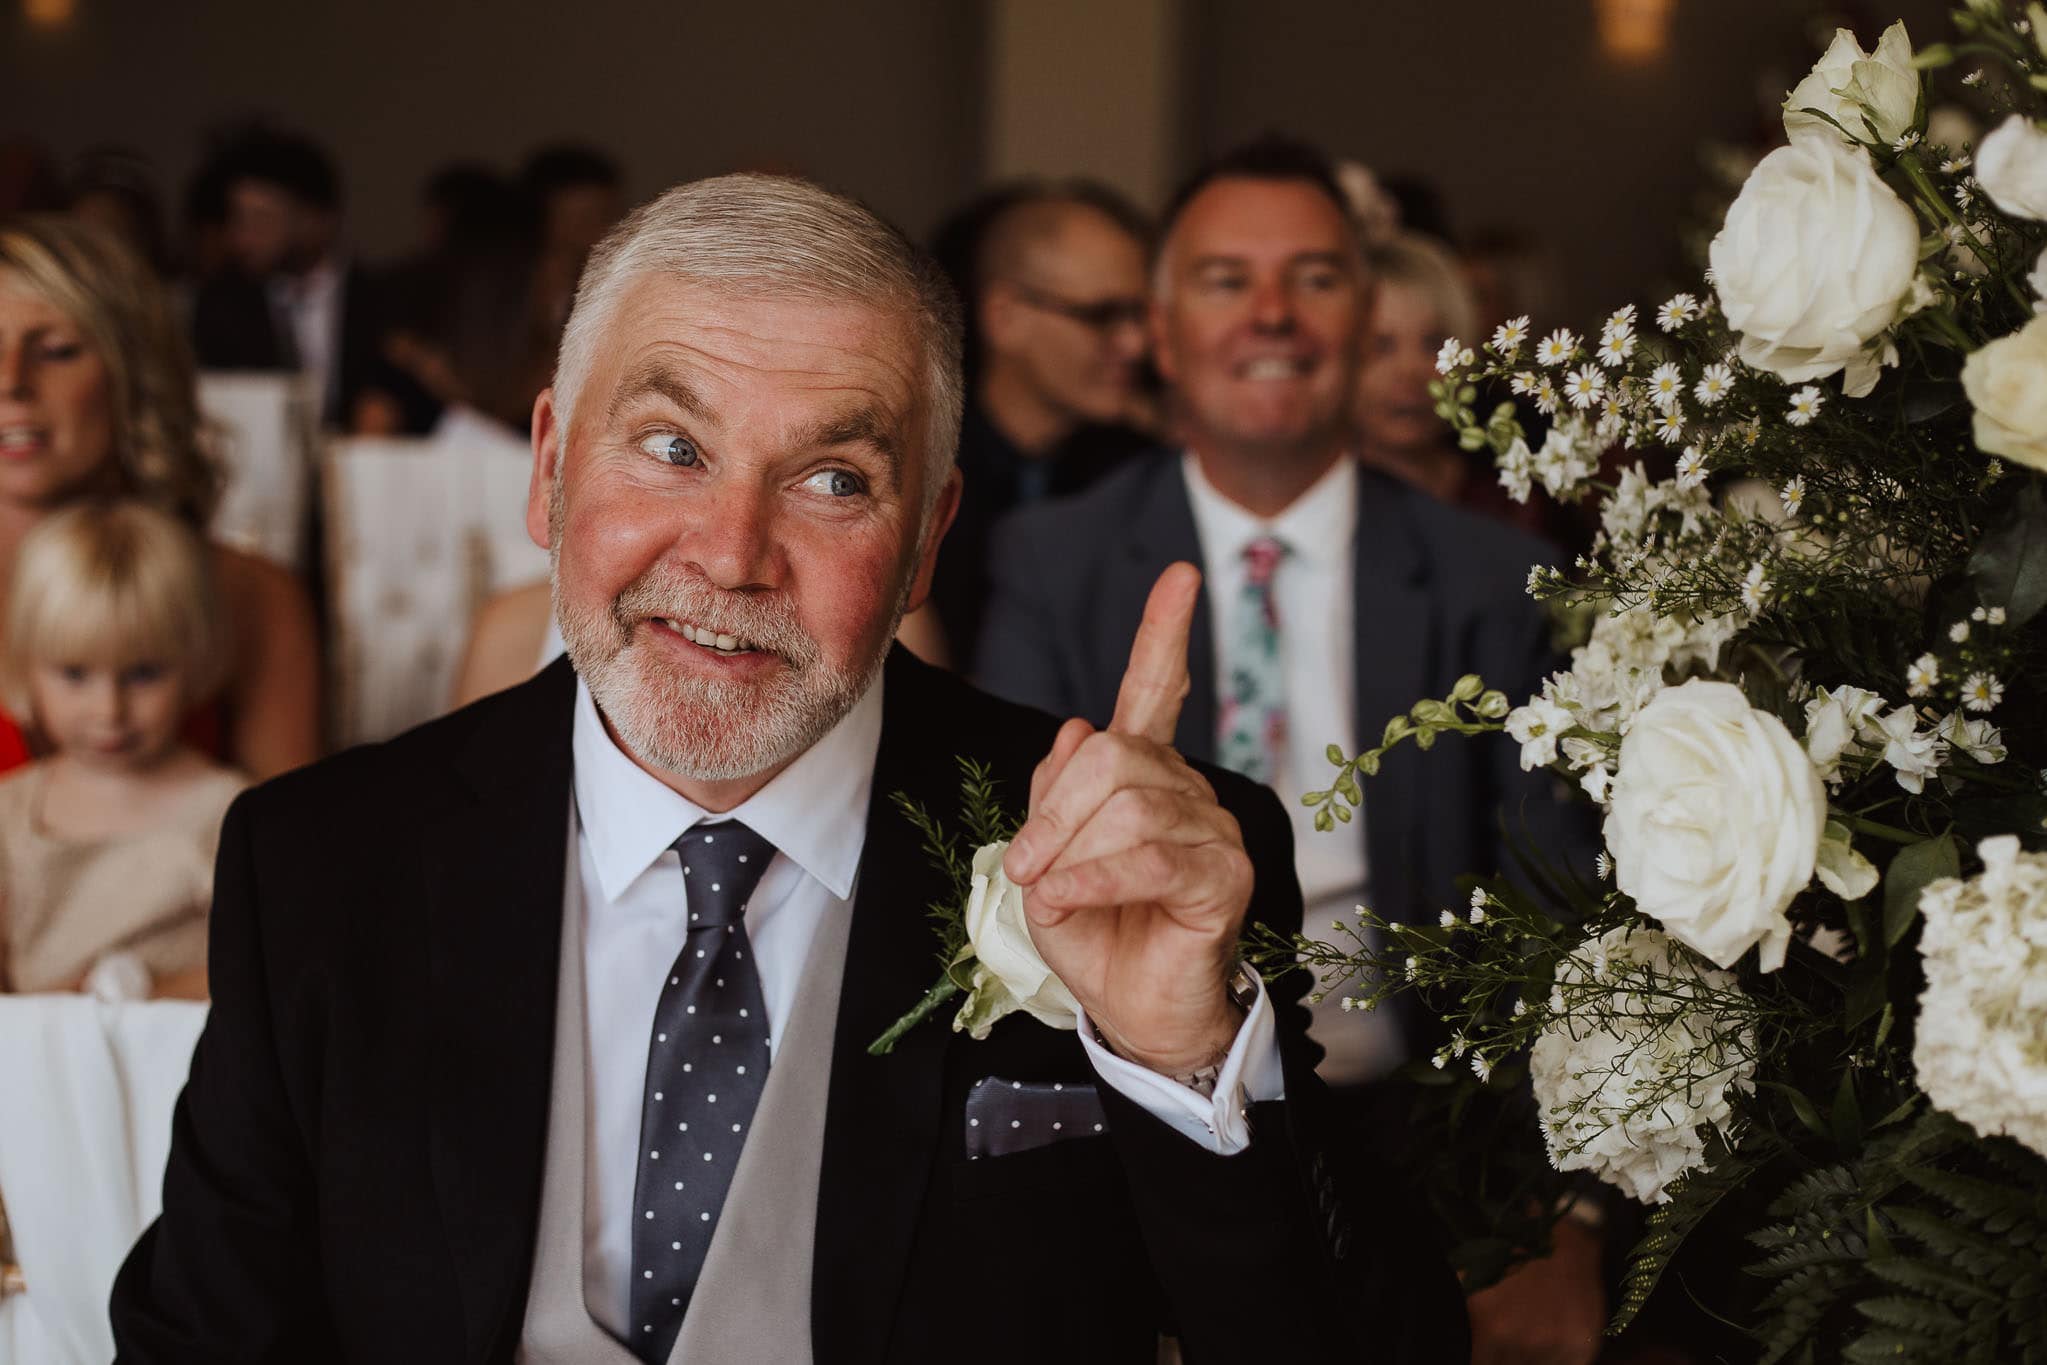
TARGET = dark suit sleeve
x,y
1020,655
1288,1249
230,1271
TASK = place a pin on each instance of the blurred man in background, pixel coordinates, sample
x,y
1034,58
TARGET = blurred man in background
x,y
1055,291
1334,598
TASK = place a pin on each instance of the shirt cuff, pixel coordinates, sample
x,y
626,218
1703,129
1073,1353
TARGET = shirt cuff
x,y
1250,1075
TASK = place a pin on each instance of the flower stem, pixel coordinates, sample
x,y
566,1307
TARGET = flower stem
x,y
933,998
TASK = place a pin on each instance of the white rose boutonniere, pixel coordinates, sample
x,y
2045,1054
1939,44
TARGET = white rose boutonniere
x,y
1008,973
985,949
1716,820
2006,382
2011,166
1872,96
1815,262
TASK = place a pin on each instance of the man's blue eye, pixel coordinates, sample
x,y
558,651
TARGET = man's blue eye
x,y
838,483
673,448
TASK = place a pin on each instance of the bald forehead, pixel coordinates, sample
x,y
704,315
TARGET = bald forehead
x,y
1022,237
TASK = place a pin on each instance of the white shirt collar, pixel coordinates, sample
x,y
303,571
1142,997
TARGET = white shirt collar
x,y
814,811
1317,526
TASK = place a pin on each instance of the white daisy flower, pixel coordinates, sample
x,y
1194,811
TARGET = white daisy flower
x,y
1438,1060
1509,337
1959,632
1965,192
1805,405
1670,427
1995,616
1714,382
1972,80
1904,142
1666,385
1480,1067
1755,589
1921,677
1979,615
1584,385
1477,916
1447,919
1955,165
1615,348
1557,348
1691,468
1478,898
1680,309
1603,865
1521,382
1622,319
1982,692
1546,397
1792,495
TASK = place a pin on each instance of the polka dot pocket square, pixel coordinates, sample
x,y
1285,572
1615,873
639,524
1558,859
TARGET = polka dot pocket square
x,y
1005,1117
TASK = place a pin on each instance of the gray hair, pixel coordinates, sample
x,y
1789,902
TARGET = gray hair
x,y
787,238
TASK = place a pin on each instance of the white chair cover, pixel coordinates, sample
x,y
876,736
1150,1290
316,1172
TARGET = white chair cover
x,y
262,428
420,532
86,1092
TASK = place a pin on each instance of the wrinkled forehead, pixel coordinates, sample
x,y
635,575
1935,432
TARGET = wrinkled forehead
x,y
755,353
1258,220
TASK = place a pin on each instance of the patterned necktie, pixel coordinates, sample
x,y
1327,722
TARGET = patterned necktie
x,y
707,1063
1251,730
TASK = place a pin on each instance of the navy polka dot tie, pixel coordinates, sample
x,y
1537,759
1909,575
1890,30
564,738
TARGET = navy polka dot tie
x,y
707,1062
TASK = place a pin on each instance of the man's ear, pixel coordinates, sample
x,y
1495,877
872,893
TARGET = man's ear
x,y
546,437
996,314
1162,358
942,513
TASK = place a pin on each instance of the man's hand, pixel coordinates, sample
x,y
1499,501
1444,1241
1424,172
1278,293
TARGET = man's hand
x,y
1546,1312
1135,880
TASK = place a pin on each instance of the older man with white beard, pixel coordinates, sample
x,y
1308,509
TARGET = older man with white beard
x,y
541,1033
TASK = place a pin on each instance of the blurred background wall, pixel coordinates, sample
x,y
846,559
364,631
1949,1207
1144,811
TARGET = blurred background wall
x,y
1524,113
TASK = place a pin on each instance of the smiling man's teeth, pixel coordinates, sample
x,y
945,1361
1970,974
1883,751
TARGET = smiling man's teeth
x,y
1271,369
709,639
19,436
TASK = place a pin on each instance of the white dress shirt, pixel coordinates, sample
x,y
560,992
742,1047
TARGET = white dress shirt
x,y
1314,590
311,306
635,920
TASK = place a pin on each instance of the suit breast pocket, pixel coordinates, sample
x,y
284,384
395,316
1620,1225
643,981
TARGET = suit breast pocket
x,y
1024,1136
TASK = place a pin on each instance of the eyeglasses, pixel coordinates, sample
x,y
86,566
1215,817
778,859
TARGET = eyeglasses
x,y
1102,315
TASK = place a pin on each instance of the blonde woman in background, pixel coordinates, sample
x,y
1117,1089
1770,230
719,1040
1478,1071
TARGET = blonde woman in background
x,y
113,636
1420,299
97,401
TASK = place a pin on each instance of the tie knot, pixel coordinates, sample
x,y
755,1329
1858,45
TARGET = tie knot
x,y
721,865
1261,559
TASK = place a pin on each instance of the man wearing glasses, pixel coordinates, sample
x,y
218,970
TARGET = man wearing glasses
x,y
1055,295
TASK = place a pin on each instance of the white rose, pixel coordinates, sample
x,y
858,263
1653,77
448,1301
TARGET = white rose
x,y
1815,262
1874,96
2007,383
1011,975
2011,166
1715,821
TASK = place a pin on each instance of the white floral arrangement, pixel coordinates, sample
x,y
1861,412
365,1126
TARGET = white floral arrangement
x,y
1809,707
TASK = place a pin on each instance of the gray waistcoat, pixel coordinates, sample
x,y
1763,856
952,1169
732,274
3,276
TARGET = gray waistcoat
x,y
752,1302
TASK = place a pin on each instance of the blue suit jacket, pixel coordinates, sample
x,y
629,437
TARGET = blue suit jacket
x,y
1441,592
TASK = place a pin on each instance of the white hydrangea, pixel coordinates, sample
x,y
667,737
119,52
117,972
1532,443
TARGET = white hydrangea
x,y
1628,1091
1981,1047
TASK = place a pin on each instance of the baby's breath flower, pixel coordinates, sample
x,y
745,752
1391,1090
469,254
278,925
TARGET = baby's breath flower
x,y
1922,676
1681,308
1666,385
1520,1008
1755,589
1557,348
1792,495
1438,1061
1459,1045
1982,692
1691,468
1584,385
1805,405
1714,382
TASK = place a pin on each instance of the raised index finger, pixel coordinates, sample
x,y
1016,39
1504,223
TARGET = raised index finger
x,y
1156,682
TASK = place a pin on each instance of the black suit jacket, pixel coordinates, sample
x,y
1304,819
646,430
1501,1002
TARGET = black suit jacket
x,y
1440,593
356,1160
